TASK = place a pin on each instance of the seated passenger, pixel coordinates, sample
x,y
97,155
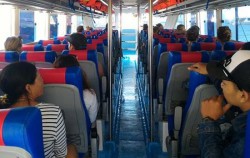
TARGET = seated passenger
x,y
80,29
22,85
234,73
79,42
223,35
160,27
13,44
192,36
89,95
180,30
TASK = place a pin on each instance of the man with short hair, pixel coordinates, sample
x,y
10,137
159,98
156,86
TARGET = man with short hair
x,y
77,41
235,75
80,29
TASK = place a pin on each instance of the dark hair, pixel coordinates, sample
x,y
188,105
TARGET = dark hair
x,y
79,29
181,27
69,61
13,80
78,40
246,46
193,33
145,27
224,34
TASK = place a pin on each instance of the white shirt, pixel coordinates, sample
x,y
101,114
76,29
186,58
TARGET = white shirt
x,y
91,103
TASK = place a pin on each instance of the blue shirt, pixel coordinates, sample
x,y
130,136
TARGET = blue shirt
x,y
213,146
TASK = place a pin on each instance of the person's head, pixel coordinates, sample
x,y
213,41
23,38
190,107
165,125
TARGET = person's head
x,y
224,34
13,44
155,29
235,75
77,41
160,26
181,27
145,27
192,33
80,29
246,46
20,80
69,61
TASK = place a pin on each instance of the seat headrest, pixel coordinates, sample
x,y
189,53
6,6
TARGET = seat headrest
x,y
46,42
69,75
36,47
31,56
9,56
22,127
220,55
57,47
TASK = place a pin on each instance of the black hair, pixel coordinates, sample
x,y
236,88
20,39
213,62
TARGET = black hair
x,y
69,61
193,33
145,27
13,80
224,34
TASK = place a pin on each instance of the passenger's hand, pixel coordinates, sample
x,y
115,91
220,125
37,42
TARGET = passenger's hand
x,y
199,67
213,107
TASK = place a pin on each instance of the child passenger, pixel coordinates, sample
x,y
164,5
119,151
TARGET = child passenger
x,y
89,94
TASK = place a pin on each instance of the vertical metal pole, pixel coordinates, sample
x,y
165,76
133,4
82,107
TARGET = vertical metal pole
x,y
110,32
236,24
138,38
150,37
121,38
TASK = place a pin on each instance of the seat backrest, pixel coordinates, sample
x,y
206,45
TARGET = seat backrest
x,y
90,55
185,57
48,56
64,87
233,45
9,56
195,79
46,42
167,40
219,55
22,127
89,68
13,152
163,47
189,136
58,48
207,46
36,47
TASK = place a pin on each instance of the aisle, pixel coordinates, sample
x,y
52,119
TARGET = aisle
x,y
131,140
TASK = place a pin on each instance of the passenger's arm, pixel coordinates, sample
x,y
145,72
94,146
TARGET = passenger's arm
x,y
61,140
211,143
199,67
210,139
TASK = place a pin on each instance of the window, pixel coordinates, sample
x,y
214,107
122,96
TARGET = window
x,y
180,20
7,16
211,23
193,19
203,22
41,25
69,23
62,26
27,26
188,20
228,17
243,24
53,25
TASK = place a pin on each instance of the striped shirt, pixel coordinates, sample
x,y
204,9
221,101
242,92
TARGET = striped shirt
x,y
54,134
